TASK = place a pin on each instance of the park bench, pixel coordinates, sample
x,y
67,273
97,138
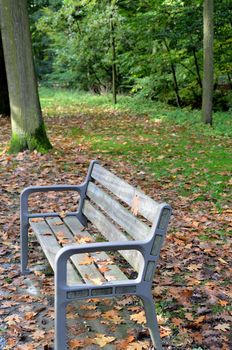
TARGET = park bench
x,y
130,222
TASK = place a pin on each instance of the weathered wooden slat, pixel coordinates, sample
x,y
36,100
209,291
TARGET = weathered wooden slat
x,y
127,193
89,272
111,233
113,272
132,225
50,247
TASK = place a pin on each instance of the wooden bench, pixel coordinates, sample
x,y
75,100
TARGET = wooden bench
x,y
130,222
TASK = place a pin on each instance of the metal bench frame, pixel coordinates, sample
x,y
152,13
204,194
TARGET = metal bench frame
x,y
64,293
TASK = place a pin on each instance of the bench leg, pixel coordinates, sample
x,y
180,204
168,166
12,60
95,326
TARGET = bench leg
x,y
24,246
60,325
152,323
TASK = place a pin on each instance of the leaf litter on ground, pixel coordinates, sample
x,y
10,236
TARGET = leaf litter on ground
x,y
193,285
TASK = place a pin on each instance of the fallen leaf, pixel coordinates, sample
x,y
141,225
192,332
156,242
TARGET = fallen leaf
x,y
88,260
13,319
194,267
38,334
83,239
36,219
199,320
113,316
139,317
223,327
123,343
102,340
135,205
177,321
165,331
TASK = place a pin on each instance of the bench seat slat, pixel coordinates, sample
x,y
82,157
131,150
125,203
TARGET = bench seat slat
x,y
132,225
50,247
113,272
88,272
127,193
111,233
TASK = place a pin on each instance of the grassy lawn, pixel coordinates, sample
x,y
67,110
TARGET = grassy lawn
x,y
169,143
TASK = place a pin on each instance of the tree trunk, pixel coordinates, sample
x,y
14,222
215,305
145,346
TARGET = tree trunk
x,y
197,68
113,47
28,131
208,72
175,83
4,97
176,88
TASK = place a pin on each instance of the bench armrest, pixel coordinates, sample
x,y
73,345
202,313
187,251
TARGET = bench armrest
x,y
32,189
36,189
66,252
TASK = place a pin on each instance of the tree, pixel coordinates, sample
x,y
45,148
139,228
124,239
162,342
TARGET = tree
x,y
208,73
4,97
113,48
28,130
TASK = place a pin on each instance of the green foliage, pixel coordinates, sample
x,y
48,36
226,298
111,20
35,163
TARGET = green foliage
x,y
158,47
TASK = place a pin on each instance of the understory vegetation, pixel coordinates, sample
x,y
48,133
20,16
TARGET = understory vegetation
x,y
152,49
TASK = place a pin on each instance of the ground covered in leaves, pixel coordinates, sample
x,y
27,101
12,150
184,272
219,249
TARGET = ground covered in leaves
x,y
192,287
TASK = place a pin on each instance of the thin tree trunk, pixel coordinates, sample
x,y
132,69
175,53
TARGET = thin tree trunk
x,y
176,88
197,68
4,96
28,130
175,83
114,68
208,71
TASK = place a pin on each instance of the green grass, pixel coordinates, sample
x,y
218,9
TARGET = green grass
x,y
61,102
171,144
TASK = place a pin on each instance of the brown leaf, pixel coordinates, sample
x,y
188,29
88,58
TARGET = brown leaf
x,y
36,219
199,320
177,321
103,269
98,281
135,205
30,315
194,267
223,327
13,319
113,316
88,260
102,340
140,345
62,239
123,343
139,317
38,334
165,331
83,239
77,343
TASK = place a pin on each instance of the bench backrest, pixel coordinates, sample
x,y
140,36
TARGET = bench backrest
x,y
121,212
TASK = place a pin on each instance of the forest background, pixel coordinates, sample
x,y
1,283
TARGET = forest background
x,y
151,49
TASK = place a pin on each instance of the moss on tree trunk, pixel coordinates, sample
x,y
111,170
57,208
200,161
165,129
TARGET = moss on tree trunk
x,y
38,141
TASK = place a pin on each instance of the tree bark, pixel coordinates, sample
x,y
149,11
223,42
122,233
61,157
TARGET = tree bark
x,y
113,47
208,70
4,96
197,68
28,131
173,69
